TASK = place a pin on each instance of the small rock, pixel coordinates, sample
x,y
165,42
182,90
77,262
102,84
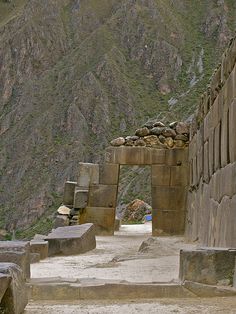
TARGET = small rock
x,y
170,142
168,132
132,138
63,210
148,125
151,140
118,141
223,282
139,142
179,143
142,132
157,130
182,128
129,143
61,221
173,125
181,137
162,139
159,124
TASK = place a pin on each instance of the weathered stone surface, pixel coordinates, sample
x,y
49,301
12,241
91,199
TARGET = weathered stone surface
x,y
224,139
118,141
135,211
40,247
17,252
63,210
151,140
117,224
169,198
160,175
207,265
168,132
234,280
176,157
179,175
102,218
142,132
61,221
182,128
71,240
102,196
157,130
88,174
173,124
148,125
181,137
159,124
34,258
206,163
217,148
80,198
140,142
5,281
109,174
170,142
179,143
69,190
232,132
168,222
15,298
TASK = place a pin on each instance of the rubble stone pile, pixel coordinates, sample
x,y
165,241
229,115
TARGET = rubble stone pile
x,y
157,135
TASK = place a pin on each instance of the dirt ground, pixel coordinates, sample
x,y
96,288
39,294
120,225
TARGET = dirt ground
x,y
161,306
118,258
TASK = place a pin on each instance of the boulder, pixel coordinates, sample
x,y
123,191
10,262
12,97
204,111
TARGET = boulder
x,y
157,130
173,125
63,210
71,240
140,142
168,132
179,143
170,142
135,211
151,140
118,141
15,298
182,137
142,132
148,125
129,143
158,124
17,252
162,139
182,128
132,138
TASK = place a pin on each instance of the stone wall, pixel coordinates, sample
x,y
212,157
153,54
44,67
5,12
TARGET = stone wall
x,y
211,203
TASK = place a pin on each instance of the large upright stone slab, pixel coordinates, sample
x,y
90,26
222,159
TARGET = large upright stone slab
x,y
102,196
169,197
71,240
80,198
232,132
176,157
40,247
88,174
69,191
109,174
168,222
5,281
160,175
102,218
15,297
17,252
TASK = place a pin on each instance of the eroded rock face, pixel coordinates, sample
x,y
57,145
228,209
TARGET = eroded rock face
x,y
15,298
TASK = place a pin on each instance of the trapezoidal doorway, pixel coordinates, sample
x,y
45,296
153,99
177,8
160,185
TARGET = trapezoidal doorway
x,y
169,181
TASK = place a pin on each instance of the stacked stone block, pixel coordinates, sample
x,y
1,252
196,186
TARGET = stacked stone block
x,y
212,158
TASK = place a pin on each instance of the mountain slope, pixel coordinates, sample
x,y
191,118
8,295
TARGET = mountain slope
x,y
74,74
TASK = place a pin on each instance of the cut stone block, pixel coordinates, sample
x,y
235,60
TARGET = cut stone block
x,y
34,258
71,240
102,218
129,155
109,174
69,190
88,174
102,196
176,157
5,281
17,252
206,163
224,140
15,298
207,265
234,281
179,175
40,247
168,222
160,175
217,147
169,198
61,221
80,198
211,152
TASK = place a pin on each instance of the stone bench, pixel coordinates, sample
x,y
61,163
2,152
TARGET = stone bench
x,y
212,266
13,290
71,240
17,252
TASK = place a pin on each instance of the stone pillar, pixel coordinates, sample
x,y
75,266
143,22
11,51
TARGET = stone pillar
x,y
169,191
102,198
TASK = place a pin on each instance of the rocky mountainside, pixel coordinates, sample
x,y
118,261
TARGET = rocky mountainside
x,y
77,73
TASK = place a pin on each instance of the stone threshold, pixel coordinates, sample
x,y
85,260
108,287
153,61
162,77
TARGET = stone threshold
x,y
62,289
